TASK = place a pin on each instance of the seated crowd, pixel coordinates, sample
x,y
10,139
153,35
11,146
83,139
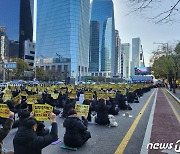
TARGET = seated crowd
x,y
32,136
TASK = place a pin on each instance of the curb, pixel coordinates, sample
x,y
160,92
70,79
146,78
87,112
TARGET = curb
x,y
177,99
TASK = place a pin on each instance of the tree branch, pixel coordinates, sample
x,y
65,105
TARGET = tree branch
x,y
163,17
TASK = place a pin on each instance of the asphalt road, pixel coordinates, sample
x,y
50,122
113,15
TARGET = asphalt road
x,y
105,140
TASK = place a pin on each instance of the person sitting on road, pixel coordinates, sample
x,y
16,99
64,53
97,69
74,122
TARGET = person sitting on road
x,y
121,101
102,113
67,106
26,140
4,132
76,130
114,110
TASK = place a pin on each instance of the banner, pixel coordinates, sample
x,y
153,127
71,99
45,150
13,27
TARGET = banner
x,y
42,112
82,110
4,111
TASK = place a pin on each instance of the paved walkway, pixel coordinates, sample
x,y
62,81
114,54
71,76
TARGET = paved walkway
x,y
166,126
177,94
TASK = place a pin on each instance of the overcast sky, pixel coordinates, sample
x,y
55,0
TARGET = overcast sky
x,y
135,25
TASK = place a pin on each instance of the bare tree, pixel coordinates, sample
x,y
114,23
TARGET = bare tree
x,y
161,11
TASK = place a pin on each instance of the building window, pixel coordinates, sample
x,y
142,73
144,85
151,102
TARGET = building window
x,y
47,68
53,67
59,69
65,68
29,57
96,74
85,69
31,64
32,52
82,69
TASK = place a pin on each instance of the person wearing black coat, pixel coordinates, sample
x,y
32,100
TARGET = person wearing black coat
x,y
114,109
26,140
102,113
76,131
4,132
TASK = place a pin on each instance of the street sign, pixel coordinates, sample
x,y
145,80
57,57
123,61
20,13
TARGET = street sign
x,y
10,65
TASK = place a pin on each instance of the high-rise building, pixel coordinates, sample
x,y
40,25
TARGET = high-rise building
x,y
17,17
9,17
136,49
94,47
117,53
3,42
26,25
13,51
62,41
125,49
102,13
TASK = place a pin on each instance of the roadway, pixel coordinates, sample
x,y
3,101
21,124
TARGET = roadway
x,y
127,138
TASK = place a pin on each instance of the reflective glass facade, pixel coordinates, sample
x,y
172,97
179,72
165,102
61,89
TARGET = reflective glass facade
x,y
102,12
26,24
136,47
125,48
63,29
94,47
9,17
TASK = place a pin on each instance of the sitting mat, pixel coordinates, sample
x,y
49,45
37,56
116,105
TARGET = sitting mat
x,y
63,146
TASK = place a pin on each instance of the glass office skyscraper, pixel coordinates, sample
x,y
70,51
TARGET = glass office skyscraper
x,y
17,16
136,48
26,24
102,14
9,17
63,32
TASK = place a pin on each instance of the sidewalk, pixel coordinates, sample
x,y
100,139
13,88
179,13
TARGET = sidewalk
x,y
165,128
177,94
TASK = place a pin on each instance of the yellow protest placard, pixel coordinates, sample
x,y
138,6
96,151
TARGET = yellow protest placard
x,y
31,99
7,97
63,91
42,112
17,100
72,95
112,95
88,95
23,93
54,96
4,111
102,96
82,110
38,96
